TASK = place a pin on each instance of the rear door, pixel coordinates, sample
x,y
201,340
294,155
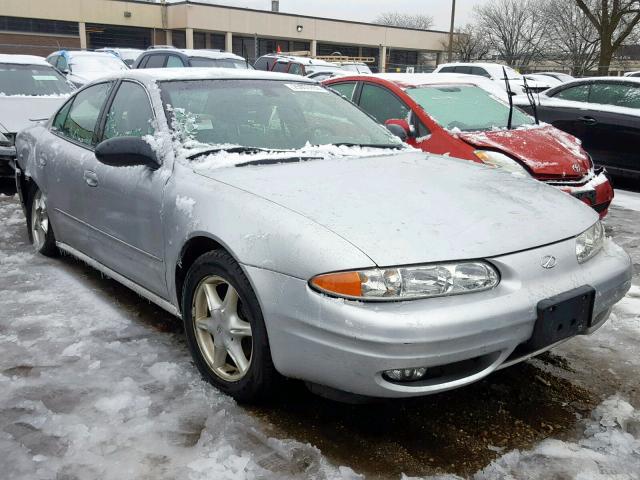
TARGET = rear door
x,y
67,156
126,202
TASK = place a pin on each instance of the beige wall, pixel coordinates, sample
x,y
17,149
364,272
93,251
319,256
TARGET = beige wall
x,y
265,24
213,18
89,11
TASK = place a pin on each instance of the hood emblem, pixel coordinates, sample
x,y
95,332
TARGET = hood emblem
x,y
548,262
576,168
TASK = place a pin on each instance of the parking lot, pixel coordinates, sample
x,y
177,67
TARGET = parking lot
x,y
98,383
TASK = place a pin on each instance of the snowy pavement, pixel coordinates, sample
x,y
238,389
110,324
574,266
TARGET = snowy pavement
x,y
97,383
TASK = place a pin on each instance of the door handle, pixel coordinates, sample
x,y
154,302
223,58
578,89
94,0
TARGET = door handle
x,y
91,178
588,120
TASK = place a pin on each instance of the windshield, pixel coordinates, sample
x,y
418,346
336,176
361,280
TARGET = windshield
x,y
466,107
267,114
219,63
31,80
103,63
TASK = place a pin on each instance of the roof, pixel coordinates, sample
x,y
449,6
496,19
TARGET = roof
x,y
23,59
602,79
302,60
84,53
148,75
202,53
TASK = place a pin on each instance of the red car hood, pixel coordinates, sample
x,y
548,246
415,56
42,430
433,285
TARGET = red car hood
x,y
548,152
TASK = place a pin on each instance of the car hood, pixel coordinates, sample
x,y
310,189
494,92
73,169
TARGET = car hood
x,y
413,208
17,113
549,153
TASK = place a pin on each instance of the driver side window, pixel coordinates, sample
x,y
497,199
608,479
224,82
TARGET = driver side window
x,y
130,113
382,104
579,93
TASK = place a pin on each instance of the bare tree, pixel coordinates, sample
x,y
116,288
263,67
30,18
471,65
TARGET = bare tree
x,y
514,28
614,20
405,20
469,44
573,38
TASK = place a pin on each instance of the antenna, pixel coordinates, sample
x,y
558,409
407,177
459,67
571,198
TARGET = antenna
x,y
510,95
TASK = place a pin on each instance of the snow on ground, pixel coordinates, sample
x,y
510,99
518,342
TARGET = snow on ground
x,y
627,199
90,390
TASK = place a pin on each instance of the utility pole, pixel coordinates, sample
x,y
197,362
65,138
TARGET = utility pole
x,y
453,21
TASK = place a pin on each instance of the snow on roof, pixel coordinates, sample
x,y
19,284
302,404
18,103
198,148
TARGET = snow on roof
x,y
199,53
302,60
83,53
162,74
23,59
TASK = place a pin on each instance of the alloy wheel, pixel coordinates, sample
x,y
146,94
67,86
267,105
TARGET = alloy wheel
x,y
39,221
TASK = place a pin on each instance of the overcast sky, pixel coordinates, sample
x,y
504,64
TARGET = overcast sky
x,y
367,10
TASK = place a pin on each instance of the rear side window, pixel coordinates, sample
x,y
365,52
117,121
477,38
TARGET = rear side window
x,y
61,116
382,104
80,122
296,69
617,94
281,67
447,69
579,93
480,71
155,61
464,69
174,61
346,89
261,64
130,113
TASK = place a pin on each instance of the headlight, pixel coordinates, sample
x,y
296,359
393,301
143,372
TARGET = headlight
x,y
500,160
406,283
589,242
4,140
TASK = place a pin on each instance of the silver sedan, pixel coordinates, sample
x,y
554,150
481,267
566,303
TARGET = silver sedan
x,y
296,237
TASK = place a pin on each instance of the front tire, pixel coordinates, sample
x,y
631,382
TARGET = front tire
x,y
40,229
225,329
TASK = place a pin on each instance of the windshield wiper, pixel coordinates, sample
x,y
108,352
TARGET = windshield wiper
x,y
368,145
234,149
275,161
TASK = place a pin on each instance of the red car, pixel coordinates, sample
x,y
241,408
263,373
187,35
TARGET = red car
x,y
467,117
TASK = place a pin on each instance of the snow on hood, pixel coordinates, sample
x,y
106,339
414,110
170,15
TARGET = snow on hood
x,y
17,112
548,152
411,208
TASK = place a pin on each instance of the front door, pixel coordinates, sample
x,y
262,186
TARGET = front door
x,y
126,202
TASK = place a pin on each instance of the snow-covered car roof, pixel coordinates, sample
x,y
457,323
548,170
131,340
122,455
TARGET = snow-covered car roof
x,y
302,60
149,75
83,53
491,67
24,60
202,53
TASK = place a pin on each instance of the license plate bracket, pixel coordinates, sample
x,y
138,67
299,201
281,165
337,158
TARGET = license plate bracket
x,y
563,316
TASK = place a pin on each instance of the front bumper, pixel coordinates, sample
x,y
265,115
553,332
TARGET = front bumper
x,y
597,192
346,345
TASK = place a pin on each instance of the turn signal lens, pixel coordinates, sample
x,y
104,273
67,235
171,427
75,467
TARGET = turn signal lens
x,y
405,283
346,284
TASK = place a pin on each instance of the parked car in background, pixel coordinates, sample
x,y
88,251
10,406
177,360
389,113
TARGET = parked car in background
x,y
632,74
542,79
174,57
494,72
81,66
293,64
322,75
127,55
30,90
295,236
457,115
563,77
604,113
356,67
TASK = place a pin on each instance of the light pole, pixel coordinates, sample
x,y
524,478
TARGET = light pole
x,y
453,20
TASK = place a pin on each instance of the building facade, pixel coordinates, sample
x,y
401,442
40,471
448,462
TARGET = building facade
x,y
39,27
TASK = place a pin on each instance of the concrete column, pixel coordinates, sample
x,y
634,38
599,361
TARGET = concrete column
x,y
382,63
360,51
228,41
314,48
82,30
189,34
169,37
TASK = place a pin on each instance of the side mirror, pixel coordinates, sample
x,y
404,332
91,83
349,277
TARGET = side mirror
x,y
126,152
400,128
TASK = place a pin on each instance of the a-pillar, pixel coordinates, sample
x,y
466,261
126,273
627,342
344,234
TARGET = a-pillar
x,y
82,31
382,61
314,48
228,41
189,33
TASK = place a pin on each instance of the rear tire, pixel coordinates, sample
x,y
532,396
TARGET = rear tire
x,y
225,329
40,228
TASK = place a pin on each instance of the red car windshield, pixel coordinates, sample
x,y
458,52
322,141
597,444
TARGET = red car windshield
x,y
466,107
